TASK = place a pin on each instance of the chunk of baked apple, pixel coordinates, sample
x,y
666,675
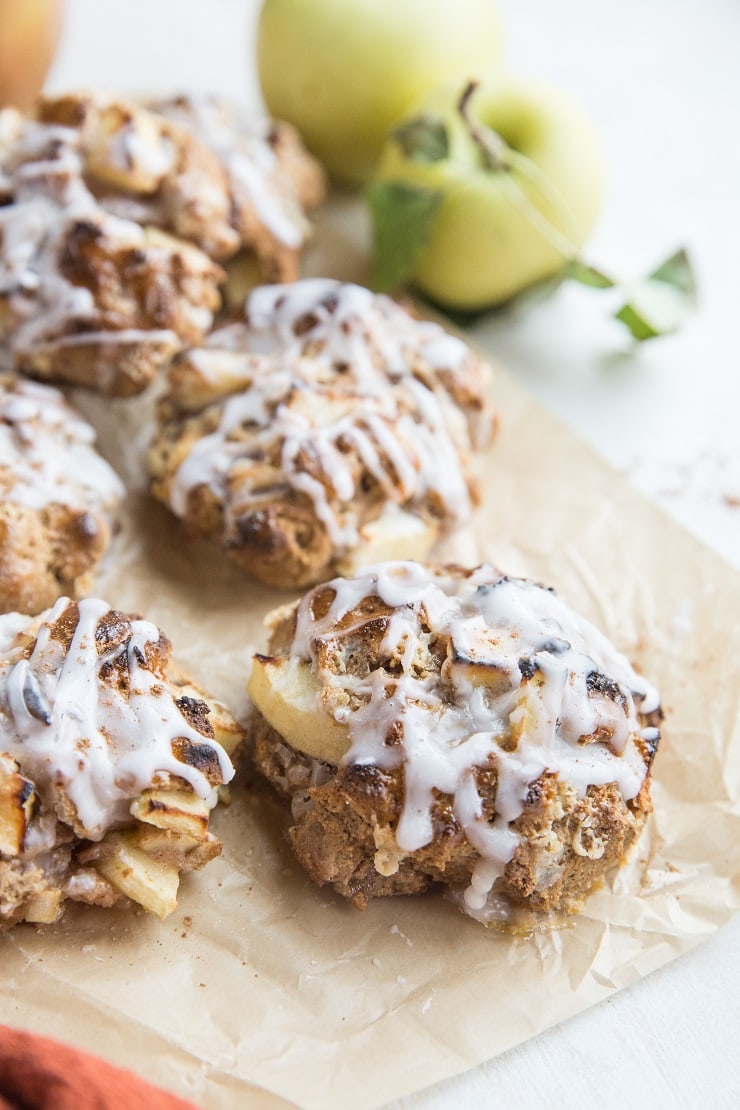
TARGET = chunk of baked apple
x,y
130,150
137,875
480,671
16,801
395,534
288,695
177,810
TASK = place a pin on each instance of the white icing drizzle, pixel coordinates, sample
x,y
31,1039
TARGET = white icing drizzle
x,y
47,453
350,325
250,163
74,735
43,160
151,153
576,716
22,232
331,373
279,213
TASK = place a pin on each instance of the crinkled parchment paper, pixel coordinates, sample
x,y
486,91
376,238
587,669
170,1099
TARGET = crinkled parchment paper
x,y
263,989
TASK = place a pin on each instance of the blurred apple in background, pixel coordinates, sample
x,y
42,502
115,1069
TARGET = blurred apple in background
x,y
484,192
29,33
345,71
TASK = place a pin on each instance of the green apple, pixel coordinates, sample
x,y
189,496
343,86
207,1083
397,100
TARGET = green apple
x,y
345,71
485,191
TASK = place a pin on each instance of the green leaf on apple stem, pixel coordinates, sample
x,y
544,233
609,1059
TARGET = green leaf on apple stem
x,y
402,217
423,139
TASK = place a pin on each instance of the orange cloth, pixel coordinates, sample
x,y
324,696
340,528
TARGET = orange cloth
x,y
37,1073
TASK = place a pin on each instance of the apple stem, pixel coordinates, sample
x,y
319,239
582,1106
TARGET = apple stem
x,y
492,146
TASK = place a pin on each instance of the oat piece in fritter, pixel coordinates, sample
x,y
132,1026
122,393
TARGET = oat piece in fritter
x,y
456,728
328,425
110,764
86,297
58,497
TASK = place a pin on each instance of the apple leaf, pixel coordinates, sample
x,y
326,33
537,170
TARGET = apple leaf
x,y
655,306
677,271
661,303
402,217
423,139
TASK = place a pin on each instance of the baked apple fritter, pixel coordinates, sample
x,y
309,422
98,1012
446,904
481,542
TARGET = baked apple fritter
x,y
326,427
453,728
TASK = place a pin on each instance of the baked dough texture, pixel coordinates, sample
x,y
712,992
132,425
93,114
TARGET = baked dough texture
x,y
110,763
326,424
114,219
270,180
58,498
456,728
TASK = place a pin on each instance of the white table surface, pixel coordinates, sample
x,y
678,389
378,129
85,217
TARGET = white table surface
x,y
661,79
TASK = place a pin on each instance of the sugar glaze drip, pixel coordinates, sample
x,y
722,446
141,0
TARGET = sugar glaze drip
x,y
250,162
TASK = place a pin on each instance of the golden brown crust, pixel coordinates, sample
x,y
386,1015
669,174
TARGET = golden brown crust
x,y
46,553
153,284
280,544
148,294
342,822
92,300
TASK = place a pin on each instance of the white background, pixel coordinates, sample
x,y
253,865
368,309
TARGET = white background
x,y
661,79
